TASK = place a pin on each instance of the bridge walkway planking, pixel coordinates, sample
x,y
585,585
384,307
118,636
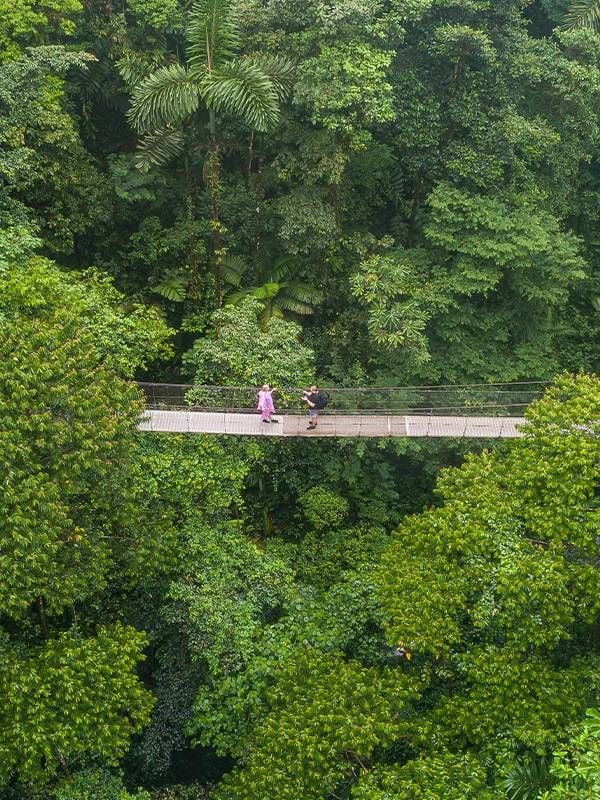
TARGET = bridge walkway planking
x,y
332,425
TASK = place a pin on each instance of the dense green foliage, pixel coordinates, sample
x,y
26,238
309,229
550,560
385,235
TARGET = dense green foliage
x,y
352,192
240,354
577,766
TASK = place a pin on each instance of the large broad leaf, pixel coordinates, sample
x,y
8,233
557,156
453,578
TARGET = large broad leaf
x,y
583,14
163,99
212,35
242,89
592,721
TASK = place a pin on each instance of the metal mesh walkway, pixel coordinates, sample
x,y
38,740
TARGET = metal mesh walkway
x,y
331,424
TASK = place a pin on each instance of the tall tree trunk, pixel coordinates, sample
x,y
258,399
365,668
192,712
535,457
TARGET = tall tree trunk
x,y
212,177
193,290
259,196
250,154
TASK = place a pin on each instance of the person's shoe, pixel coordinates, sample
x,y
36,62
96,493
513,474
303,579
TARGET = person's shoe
x,y
266,420
274,420
310,427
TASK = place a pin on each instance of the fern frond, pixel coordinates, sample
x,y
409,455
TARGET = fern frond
x,y
232,269
212,35
302,292
583,14
172,286
280,72
245,91
158,148
235,298
295,306
164,98
284,267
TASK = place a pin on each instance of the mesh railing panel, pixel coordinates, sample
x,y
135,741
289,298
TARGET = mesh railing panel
x,y
508,399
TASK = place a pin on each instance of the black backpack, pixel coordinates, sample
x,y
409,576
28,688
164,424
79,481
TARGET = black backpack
x,y
321,400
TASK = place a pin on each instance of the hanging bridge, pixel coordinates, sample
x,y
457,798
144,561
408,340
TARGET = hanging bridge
x,y
481,411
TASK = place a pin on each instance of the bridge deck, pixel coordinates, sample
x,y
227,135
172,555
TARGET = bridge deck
x,y
333,425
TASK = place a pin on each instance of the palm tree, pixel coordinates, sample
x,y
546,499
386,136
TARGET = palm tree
x,y
279,295
583,14
213,79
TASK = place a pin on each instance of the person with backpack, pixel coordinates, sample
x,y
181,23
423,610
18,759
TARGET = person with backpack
x,y
316,400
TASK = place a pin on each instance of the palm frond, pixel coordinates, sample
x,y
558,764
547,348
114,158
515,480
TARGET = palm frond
x,y
280,72
583,14
526,779
242,89
235,298
303,292
295,306
164,98
284,267
267,314
267,291
232,269
158,148
134,67
212,35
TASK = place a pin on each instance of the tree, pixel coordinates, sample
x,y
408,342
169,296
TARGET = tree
x,y
323,509
32,22
95,784
495,591
421,299
240,354
526,778
280,295
198,609
233,588
249,88
71,697
346,89
49,182
68,424
327,717
441,774
69,525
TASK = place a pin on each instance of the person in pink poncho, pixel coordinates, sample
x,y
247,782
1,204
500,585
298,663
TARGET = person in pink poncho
x,y
265,404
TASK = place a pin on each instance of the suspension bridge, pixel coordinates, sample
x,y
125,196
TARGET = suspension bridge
x,y
478,411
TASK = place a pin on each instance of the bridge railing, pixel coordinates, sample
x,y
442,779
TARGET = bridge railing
x,y
501,399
